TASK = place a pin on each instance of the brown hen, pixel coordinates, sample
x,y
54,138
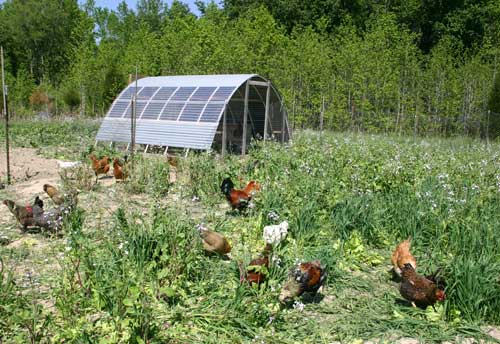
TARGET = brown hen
x,y
402,256
214,242
305,277
419,290
118,170
23,214
257,269
99,166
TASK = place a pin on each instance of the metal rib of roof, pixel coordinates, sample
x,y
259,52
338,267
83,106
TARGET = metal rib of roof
x,y
182,121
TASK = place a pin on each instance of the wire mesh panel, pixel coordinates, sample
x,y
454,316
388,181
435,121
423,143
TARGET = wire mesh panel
x,y
129,92
152,110
191,112
172,111
183,93
146,93
139,106
202,94
222,93
118,109
212,112
164,93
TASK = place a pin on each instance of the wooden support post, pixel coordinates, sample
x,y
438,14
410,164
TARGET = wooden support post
x,y
283,123
166,151
146,149
266,113
6,112
245,119
224,130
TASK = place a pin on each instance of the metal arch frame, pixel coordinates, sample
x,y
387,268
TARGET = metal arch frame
x,y
250,81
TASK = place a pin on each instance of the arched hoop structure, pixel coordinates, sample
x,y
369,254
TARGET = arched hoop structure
x,y
198,112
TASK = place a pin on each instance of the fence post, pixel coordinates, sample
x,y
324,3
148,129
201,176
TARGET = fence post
x,y
245,119
132,122
321,115
488,127
6,112
224,130
266,114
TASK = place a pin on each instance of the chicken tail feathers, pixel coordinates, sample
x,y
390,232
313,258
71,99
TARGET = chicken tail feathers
x,y
227,186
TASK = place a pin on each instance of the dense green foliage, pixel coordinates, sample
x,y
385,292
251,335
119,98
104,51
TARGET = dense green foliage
x,y
420,67
138,274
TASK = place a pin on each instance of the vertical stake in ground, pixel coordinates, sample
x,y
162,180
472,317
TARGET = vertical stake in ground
x,y
132,122
6,113
321,116
224,131
245,119
266,113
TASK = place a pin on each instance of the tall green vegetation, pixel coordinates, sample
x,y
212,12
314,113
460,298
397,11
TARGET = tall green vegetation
x,y
494,107
137,273
408,67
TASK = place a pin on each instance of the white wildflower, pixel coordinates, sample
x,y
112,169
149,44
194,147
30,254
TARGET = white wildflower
x,y
201,227
274,234
443,176
273,216
195,199
298,306
276,259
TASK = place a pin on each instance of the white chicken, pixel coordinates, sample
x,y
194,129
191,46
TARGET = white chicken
x,y
274,234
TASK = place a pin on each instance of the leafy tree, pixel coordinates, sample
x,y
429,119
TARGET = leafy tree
x,y
151,13
305,13
493,122
39,35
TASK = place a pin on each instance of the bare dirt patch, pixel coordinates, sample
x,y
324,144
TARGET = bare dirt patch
x,y
26,164
29,172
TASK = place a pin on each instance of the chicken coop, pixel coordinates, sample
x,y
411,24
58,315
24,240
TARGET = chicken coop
x,y
200,112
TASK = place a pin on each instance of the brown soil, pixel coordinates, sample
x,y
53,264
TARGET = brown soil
x,y
26,165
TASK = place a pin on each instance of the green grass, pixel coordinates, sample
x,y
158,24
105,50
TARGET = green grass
x,y
64,140
140,275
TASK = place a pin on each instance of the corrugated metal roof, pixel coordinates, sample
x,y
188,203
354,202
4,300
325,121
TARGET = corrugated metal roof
x,y
174,111
160,133
195,80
